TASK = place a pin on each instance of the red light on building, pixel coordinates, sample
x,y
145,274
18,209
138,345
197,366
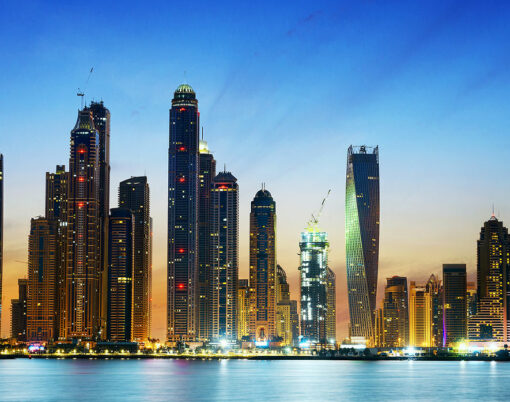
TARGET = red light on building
x,y
80,205
81,179
181,250
182,179
182,109
223,186
82,151
180,286
182,149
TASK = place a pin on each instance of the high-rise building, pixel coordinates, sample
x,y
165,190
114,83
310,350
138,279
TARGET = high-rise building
x,y
183,165
263,267
1,231
19,312
420,316
294,322
207,171
379,328
101,117
225,256
313,269
396,312
435,289
243,309
471,301
120,275
283,319
493,264
454,303
43,264
83,232
134,195
331,303
57,190
362,237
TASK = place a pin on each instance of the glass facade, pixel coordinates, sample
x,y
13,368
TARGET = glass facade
x,y
362,237
454,303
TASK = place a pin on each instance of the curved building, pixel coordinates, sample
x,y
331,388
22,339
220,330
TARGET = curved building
x,y
183,154
362,237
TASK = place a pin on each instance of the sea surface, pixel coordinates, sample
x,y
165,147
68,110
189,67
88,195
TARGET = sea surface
x,y
243,380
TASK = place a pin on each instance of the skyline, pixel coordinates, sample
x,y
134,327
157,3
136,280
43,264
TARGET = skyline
x,y
404,250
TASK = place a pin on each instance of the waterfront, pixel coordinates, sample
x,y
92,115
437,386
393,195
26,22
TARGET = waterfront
x,y
41,379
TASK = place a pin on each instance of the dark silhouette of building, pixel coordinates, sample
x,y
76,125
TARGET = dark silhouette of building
x,y
183,169
435,289
19,312
57,190
362,237
101,117
84,263
490,323
43,264
134,195
454,303
120,275
263,267
225,256
396,312
207,171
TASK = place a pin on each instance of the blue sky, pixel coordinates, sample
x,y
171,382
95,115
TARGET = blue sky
x,y
284,88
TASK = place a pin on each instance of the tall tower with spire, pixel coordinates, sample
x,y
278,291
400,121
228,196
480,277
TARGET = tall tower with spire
x,y
83,263
263,267
183,202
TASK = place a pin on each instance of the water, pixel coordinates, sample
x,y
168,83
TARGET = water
x,y
237,380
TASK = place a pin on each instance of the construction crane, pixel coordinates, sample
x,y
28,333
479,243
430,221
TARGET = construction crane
x,y
81,93
313,223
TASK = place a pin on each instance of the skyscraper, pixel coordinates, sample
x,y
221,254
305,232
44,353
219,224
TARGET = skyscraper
x,y
207,171
283,319
396,312
420,316
331,303
225,256
19,312
435,289
493,264
243,308
101,117
43,264
183,165
120,275
134,195
313,269
57,190
294,322
83,232
454,303
1,231
263,267
362,237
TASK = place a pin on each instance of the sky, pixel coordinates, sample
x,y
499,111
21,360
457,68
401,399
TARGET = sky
x,y
284,88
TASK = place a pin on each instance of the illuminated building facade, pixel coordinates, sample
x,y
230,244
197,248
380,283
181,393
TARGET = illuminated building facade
x,y
331,303
101,117
435,289
225,256
57,189
134,195
207,171
120,275
420,316
362,237
283,319
263,267
493,263
396,312
379,328
294,322
183,169
243,309
454,303
313,269
19,312
83,232
43,264
1,231
471,300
